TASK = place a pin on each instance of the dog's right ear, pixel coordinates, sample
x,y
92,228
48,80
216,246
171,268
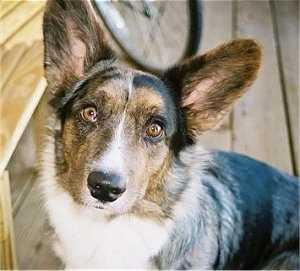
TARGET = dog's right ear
x,y
74,42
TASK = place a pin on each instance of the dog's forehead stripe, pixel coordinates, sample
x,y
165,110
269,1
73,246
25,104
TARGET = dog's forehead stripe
x,y
145,80
156,90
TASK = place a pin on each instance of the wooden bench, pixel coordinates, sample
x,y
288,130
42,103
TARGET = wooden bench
x,y
22,86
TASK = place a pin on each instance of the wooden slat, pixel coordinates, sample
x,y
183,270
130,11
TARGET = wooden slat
x,y
30,32
7,7
259,119
22,166
287,26
9,62
8,258
25,89
217,29
2,53
32,235
19,17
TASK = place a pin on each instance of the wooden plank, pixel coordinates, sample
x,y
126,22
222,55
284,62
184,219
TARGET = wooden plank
x,y
217,29
32,234
19,17
22,166
7,236
7,6
287,30
29,33
259,119
10,60
26,87
2,53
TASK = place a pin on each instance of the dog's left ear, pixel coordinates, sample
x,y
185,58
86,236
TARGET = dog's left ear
x,y
208,85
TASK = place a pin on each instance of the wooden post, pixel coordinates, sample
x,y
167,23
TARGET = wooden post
x,y
8,258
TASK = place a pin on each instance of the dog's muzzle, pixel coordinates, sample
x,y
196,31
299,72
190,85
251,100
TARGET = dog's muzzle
x,y
105,187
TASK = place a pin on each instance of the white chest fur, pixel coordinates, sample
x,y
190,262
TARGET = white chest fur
x,y
89,240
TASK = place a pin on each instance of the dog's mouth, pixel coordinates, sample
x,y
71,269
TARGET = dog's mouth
x,y
99,207
118,206
96,205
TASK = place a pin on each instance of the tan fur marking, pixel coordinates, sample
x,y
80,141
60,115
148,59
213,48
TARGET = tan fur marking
x,y
147,97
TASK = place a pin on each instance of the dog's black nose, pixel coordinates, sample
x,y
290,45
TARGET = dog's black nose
x,y
105,187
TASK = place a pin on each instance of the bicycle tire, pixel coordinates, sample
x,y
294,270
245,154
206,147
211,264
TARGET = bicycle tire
x,y
193,35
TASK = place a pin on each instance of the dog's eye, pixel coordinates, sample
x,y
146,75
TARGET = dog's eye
x,y
154,130
89,114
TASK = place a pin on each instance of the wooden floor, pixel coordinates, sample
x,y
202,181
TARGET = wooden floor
x,y
264,124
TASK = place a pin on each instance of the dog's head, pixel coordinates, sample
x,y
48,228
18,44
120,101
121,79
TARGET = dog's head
x,y
121,128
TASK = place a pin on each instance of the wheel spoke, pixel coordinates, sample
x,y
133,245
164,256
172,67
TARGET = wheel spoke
x,y
155,33
155,22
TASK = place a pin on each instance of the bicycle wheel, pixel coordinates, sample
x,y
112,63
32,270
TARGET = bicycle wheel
x,y
154,34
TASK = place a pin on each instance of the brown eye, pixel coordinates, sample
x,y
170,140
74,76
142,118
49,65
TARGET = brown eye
x,y
154,130
89,114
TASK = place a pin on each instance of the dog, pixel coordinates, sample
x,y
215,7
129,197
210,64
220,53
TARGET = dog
x,y
126,181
